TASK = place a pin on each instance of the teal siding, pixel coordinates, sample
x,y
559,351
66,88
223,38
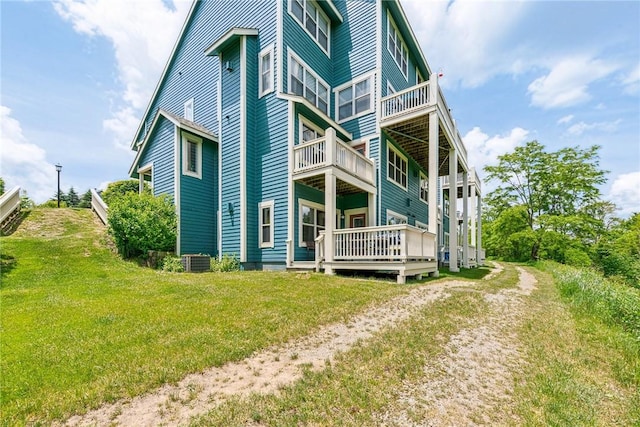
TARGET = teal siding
x,y
160,151
198,206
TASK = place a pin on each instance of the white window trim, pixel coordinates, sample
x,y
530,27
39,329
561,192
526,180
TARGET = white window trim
x,y
304,121
390,89
361,141
292,55
313,205
391,24
189,105
394,214
186,137
314,37
421,176
269,50
402,156
146,170
369,76
348,213
262,205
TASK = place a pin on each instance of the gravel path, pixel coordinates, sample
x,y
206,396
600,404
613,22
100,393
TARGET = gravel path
x,y
474,372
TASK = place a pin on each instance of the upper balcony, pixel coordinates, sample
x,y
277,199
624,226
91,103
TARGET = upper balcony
x,y
472,180
405,117
311,159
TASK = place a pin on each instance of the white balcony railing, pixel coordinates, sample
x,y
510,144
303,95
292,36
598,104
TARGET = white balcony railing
x,y
406,101
385,243
9,204
99,206
318,154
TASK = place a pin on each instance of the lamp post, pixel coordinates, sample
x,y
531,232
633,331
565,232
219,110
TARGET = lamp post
x,y
58,169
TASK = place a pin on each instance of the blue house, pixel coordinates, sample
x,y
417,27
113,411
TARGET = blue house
x,y
309,134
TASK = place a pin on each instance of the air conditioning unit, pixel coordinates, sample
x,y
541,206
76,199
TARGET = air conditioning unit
x,y
196,263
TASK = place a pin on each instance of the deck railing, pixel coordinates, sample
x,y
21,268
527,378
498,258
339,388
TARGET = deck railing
x,y
405,101
385,243
316,154
9,205
99,206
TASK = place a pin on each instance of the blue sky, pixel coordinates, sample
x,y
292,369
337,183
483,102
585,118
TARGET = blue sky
x,y
75,78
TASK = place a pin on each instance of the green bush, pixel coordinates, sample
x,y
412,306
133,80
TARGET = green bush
x,y
172,264
53,204
142,222
227,263
118,189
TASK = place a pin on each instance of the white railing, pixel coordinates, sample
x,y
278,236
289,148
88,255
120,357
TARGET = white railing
x,y
406,101
316,154
472,253
386,243
9,203
450,123
99,206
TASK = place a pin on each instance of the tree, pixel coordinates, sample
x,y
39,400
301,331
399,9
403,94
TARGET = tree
x,y
118,189
142,222
1,186
85,200
72,198
557,193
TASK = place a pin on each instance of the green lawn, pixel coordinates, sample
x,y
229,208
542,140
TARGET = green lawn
x,y
81,327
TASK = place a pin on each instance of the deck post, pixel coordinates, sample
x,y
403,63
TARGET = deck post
x,y
330,203
453,213
479,245
371,209
432,175
473,211
465,219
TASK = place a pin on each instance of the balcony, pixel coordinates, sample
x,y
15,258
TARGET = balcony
x,y
311,158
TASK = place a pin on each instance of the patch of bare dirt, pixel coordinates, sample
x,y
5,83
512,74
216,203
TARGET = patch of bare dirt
x,y
474,375
264,372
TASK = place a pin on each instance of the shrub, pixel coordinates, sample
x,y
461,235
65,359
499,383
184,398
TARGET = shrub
x,y
142,222
53,204
118,189
225,264
172,264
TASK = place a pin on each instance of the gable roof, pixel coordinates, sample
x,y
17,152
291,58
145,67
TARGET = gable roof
x,y
179,122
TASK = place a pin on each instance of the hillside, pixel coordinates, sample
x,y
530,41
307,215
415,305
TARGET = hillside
x,y
90,339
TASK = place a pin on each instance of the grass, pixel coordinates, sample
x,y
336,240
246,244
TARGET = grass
x,y
81,327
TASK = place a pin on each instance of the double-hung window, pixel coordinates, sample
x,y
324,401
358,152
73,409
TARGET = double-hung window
x,y
265,210
266,71
313,20
191,155
396,167
355,99
309,132
396,46
303,82
312,221
424,188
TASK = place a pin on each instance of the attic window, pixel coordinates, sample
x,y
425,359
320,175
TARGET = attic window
x,y
188,110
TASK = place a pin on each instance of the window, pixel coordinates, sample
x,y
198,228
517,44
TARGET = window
x,y
419,78
446,207
355,99
313,20
394,218
188,110
312,221
191,155
424,188
266,71
396,167
303,82
396,46
309,132
265,210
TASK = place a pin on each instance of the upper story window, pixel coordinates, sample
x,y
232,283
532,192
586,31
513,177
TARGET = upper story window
x,y
396,166
305,83
355,99
188,110
309,132
424,188
396,46
265,60
191,155
313,20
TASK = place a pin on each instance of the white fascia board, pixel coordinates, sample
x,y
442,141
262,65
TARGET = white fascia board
x,y
233,33
306,103
413,36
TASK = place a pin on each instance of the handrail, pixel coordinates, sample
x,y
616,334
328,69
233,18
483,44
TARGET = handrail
x,y
99,206
9,202
406,101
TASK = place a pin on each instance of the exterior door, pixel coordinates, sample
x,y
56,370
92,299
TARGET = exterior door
x,y
358,220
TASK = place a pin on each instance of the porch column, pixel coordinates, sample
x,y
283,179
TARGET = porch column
x,y
474,213
465,219
329,203
479,245
453,213
371,209
432,195
140,182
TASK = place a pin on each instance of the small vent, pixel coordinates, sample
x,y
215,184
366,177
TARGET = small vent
x,y
196,263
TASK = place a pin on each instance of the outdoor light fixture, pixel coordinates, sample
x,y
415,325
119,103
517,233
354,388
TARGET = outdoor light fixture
x,y
58,169
230,209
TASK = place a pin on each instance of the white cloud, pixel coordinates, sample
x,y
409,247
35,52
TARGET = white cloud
x,y
582,127
467,38
142,33
625,193
568,82
484,150
23,163
565,119
631,81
